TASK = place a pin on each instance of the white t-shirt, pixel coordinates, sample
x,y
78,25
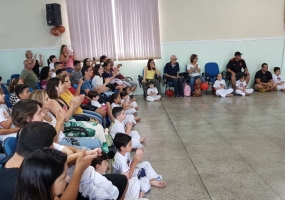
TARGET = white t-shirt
x,y
96,104
219,84
121,163
190,66
3,119
51,66
113,105
97,81
95,186
53,123
117,127
277,79
150,90
240,85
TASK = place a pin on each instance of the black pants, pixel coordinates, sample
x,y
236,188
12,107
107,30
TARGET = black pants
x,y
118,180
178,86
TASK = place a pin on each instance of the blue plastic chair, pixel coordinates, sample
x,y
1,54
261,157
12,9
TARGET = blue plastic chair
x,y
8,81
5,89
31,89
38,86
9,145
15,76
7,102
211,72
75,86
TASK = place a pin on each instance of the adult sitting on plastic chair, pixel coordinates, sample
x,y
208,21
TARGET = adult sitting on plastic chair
x,y
194,71
171,71
149,75
234,68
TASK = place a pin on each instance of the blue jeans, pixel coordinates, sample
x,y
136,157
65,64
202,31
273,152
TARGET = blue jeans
x,y
192,82
178,86
89,142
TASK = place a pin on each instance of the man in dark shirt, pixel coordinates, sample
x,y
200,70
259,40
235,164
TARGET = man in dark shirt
x,y
234,68
263,80
171,71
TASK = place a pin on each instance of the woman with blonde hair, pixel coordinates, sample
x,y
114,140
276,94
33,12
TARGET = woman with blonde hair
x,y
37,64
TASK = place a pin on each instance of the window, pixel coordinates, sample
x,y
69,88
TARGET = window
x,y
120,29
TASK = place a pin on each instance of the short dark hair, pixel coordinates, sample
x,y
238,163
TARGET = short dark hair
x,y
92,94
76,62
0,78
102,58
28,140
263,64
276,68
123,94
60,71
20,88
51,84
99,159
151,82
24,109
116,111
242,75
56,64
84,69
121,140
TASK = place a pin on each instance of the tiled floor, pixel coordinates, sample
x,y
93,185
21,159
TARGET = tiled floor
x,y
213,148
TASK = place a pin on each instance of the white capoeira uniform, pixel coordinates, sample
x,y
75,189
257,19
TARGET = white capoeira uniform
x,y
133,103
119,127
222,92
129,118
152,97
240,85
122,165
94,186
130,110
278,79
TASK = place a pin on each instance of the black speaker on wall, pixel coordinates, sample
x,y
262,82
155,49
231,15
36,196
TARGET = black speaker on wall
x,y
53,16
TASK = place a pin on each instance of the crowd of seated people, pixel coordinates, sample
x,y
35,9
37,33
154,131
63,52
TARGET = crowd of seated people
x,y
63,124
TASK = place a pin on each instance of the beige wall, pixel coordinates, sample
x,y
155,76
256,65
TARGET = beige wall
x,y
188,20
23,24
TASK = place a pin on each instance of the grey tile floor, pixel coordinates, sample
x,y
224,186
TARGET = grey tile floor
x,y
213,148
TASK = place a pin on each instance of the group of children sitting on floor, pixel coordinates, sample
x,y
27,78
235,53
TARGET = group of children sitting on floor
x,y
240,87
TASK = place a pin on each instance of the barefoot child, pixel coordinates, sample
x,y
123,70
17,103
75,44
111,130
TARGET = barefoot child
x,y
128,107
152,92
132,168
241,87
119,127
220,85
115,101
278,79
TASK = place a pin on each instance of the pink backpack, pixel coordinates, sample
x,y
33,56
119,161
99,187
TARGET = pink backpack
x,y
187,90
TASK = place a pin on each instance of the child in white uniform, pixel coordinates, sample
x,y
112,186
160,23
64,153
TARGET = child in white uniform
x,y
115,101
278,79
152,92
94,186
132,168
128,107
220,85
5,119
241,87
119,127
131,100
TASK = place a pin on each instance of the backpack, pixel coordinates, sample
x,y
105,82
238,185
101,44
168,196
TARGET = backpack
x,y
187,90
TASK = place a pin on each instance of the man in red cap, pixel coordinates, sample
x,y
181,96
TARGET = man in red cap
x,y
234,68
